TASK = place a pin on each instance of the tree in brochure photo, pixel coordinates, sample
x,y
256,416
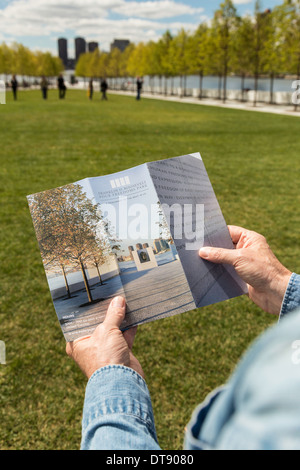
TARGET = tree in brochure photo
x,y
137,234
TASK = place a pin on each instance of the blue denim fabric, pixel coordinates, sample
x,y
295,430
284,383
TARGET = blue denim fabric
x,y
259,408
117,413
291,299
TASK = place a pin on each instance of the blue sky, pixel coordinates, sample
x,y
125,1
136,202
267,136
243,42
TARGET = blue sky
x,y
39,23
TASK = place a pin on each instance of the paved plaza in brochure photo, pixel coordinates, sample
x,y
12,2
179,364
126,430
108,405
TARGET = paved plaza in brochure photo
x,y
158,292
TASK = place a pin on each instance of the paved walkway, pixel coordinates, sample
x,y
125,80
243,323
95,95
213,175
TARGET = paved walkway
x,y
151,294
260,107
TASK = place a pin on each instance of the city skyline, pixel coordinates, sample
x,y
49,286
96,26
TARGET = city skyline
x,y
81,47
38,24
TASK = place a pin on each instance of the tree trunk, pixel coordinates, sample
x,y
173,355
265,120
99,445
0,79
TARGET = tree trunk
x,y
256,73
243,88
220,86
86,283
99,275
172,86
298,78
225,79
255,89
225,88
271,88
66,281
200,84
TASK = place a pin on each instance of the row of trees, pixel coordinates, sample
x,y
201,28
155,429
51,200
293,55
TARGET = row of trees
x,y
19,60
68,229
268,42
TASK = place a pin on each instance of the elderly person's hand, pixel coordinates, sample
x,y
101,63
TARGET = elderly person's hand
x,y
107,345
256,264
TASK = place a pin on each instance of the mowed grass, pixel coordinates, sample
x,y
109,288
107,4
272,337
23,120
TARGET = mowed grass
x,y
253,162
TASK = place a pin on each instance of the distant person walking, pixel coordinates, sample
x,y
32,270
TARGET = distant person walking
x,y
14,86
139,86
103,88
91,89
44,87
61,87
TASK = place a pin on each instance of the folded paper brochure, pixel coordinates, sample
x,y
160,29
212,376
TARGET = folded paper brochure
x,y
137,234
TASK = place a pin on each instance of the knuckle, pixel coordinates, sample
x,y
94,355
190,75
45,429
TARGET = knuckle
x,y
240,258
217,254
263,239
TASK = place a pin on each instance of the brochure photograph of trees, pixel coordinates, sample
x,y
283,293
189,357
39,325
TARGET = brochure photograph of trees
x,y
135,233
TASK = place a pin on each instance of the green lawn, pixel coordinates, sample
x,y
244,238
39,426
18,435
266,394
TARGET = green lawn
x,y
253,163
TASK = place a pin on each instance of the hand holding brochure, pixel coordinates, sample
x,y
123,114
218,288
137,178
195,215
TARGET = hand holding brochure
x,y
137,234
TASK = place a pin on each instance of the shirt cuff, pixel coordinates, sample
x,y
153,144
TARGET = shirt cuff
x,y
291,299
117,411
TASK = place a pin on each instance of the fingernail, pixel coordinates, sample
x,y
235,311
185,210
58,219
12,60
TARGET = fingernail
x,y
205,252
118,302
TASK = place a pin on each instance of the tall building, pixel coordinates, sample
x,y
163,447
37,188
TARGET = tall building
x,y
120,44
63,50
92,46
80,47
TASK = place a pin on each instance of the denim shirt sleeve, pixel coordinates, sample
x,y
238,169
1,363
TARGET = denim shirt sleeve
x,y
291,299
117,412
232,417
259,408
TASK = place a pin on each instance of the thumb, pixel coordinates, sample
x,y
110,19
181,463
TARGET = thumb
x,y
219,255
115,313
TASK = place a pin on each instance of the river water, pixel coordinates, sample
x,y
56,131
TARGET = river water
x,y
233,83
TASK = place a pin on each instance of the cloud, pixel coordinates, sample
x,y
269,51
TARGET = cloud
x,y
58,14
134,29
159,9
242,2
95,19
